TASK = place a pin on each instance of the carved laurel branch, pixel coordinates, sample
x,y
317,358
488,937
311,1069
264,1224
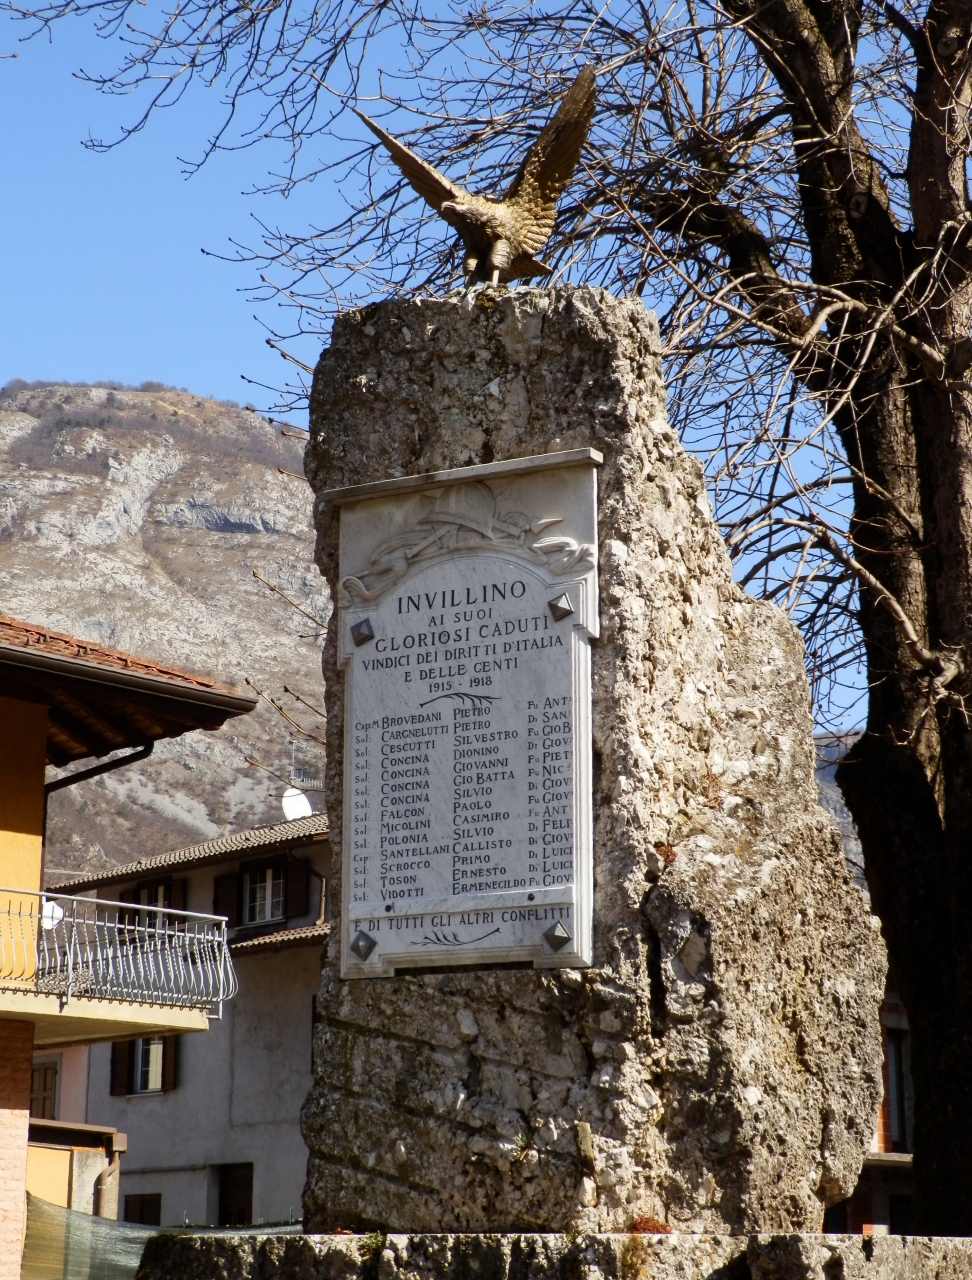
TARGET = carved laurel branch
x,y
437,939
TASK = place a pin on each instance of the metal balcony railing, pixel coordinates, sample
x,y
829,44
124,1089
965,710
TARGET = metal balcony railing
x,y
87,948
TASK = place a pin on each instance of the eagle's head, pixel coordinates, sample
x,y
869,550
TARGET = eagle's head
x,y
462,210
476,211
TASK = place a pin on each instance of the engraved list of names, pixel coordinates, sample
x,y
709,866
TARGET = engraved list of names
x,y
465,614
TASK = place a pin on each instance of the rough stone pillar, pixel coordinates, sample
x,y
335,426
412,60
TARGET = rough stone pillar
x,y
16,1052
719,1067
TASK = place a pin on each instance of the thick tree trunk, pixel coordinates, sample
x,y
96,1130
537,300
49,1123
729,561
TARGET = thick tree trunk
x,y
907,431
921,891
908,781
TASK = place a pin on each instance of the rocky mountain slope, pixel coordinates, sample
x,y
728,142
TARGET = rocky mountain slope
x,y
136,519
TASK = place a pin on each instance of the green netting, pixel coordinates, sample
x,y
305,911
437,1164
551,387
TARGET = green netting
x,y
62,1244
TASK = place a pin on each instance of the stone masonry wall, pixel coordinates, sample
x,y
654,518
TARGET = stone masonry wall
x,y
605,1257
719,1067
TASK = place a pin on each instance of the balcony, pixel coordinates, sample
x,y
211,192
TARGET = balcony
x,y
71,963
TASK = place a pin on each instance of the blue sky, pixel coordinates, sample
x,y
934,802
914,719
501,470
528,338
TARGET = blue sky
x,y
103,275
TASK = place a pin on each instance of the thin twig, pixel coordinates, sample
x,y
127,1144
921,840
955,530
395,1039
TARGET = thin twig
x,y
281,711
309,705
940,663
293,603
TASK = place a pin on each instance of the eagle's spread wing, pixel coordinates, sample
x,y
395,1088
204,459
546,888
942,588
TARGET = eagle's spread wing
x,y
432,186
550,163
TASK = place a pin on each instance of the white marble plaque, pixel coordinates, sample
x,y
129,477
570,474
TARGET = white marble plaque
x,y
468,600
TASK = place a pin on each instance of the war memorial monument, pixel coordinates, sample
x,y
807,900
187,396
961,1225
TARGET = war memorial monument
x,y
599,997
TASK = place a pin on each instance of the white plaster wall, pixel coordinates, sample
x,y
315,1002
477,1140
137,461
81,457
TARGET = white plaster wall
x,y
73,1086
241,1086
184,1193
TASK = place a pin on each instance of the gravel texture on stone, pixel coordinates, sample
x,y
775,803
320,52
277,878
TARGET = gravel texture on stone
x,y
443,1257
719,1067
545,1257
858,1258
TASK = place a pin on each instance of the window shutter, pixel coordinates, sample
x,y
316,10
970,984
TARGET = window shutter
x,y
177,895
296,888
122,1058
127,917
226,898
170,1063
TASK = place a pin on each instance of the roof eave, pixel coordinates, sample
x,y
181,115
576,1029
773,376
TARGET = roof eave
x,y
284,940
230,701
132,871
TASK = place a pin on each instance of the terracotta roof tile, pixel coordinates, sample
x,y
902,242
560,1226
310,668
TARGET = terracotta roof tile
x,y
281,833
282,939
27,635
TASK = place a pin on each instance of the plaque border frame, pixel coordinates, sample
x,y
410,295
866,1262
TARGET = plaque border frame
x,y
463,475
580,954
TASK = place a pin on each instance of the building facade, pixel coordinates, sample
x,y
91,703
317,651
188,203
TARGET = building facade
x,y
74,972
213,1122
881,1203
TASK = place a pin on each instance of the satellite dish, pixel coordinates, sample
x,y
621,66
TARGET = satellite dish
x,y
51,915
295,804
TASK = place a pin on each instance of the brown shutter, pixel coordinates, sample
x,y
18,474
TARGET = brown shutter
x,y
177,895
296,888
226,898
122,1059
127,917
170,1063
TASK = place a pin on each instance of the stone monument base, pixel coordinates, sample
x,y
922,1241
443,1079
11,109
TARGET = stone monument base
x,y
675,1256
717,1063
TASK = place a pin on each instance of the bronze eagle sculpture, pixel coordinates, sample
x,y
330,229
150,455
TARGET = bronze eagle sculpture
x,y
502,237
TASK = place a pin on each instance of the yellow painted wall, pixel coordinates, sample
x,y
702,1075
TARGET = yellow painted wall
x,y
49,1174
23,753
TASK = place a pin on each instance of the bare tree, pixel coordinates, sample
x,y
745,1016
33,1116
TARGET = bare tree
x,y
786,183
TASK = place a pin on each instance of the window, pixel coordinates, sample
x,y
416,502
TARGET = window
x,y
145,1208
899,1067
263,894
235,1195
43,1090
156,896
147,1065
152,895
